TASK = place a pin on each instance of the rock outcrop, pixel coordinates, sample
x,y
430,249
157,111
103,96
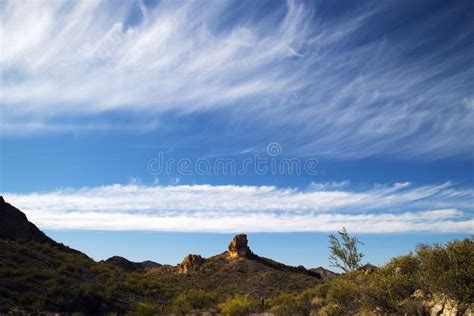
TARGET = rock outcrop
x,y
440,305
191,263
238,247
15,226
368,268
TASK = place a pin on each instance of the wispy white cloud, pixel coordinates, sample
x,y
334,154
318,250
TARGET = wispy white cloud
x,y
287,70
396,208
171,59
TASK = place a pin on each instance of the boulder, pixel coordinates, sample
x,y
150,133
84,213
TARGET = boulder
x,y
419,295
191,263
238,247
437,309
450,308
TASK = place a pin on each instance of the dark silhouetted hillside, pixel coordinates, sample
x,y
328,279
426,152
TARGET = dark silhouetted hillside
x,y
130,266
15,226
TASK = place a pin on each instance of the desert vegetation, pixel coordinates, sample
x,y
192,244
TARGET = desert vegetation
x,y
38,276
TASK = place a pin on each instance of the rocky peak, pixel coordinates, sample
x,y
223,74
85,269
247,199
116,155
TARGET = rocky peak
x,y
191,263
1,200
238,247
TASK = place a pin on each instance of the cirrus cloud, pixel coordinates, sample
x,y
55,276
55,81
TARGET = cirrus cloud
x,y
401,207
330,83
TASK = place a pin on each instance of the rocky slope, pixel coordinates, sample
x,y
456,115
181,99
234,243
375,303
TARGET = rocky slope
x,y
39,274
15,226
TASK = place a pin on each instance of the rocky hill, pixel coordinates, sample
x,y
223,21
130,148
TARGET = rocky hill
x,y
237,270
130,266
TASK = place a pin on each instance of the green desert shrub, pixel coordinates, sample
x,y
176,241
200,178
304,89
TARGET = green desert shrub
x,y
146,309
290,304
193,300
388,286
449,270
385,290
408,265
436,269
322,289
344,293
309,300
181,306
239,305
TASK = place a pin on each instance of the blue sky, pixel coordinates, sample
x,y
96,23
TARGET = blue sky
x,y
360,114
